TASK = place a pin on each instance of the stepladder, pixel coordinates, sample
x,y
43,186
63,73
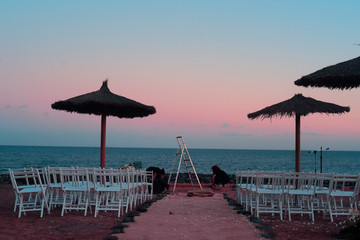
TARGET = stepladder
x,y
182,156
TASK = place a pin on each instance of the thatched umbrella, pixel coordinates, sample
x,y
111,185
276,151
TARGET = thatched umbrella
x,y
298,106
344,75
104,103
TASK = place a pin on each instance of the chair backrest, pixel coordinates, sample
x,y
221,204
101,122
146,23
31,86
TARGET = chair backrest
x,y
342,182
148,176
324,180
25,179
357,187
300,181
270,180
105,178
30,180
43,175
74,177
250,179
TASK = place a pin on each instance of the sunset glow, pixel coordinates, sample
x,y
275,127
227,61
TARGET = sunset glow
x,y
204,65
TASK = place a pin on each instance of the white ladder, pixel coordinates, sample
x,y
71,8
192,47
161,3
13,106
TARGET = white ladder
x,y
185,157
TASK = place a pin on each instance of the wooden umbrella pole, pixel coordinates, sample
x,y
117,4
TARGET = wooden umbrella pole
x,y
297,144
103,141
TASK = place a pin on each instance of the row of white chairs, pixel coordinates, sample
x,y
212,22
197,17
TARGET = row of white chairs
x,y
73,188
297,193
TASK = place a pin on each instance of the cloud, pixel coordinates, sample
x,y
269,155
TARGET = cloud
x,y
311,134
21,107
235,134
225,125
200,125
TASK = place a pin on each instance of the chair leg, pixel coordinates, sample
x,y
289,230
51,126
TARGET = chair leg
x,y
288,208
21,207
280,207
42,207
16,202
64,203
96,204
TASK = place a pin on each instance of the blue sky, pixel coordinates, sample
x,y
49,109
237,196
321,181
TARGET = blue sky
x,y
204,65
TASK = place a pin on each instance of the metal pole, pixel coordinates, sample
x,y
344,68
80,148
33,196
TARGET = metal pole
x,y
320,159
315,160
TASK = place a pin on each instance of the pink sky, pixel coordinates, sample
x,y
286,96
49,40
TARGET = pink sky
x,y
203,66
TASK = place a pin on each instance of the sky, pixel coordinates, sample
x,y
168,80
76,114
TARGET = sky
x,y
204,65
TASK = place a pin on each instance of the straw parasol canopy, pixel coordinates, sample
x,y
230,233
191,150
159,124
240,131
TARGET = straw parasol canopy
x,y
344,75
105,103
298,106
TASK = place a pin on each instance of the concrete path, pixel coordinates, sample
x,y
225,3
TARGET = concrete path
x,y
178,216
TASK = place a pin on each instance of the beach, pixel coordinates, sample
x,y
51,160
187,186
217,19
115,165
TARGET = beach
x,y
168,208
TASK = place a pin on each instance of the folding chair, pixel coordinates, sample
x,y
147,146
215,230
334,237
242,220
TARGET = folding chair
x,y
21,186
322,191
343,195
241,183
148,184
250,188
132,187
54,186
29,191
108,190
300,193
269,193
75,190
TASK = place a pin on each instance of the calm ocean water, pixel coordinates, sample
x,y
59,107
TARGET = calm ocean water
x,y
230,160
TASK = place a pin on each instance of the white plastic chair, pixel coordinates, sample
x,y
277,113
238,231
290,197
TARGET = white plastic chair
x,y
269,193
322,191
241,184
25,184
108,190
148,184
75,189
343,195
134,187
300,193
54,186
250,188
29,191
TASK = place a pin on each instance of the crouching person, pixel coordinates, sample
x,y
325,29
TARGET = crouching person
x,y
219,177
160,182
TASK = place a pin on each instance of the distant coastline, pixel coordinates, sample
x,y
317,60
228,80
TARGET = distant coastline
x,y
230,149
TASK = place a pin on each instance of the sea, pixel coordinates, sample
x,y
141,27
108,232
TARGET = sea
x,y
231,161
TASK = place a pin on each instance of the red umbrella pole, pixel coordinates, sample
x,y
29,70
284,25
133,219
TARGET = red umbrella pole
x,y
297,144
103,141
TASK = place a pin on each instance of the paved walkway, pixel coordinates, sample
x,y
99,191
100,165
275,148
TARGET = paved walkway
x,y
178,216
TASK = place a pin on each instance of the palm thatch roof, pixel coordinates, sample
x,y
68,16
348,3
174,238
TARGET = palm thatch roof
x,y
298,105
104,102
344,75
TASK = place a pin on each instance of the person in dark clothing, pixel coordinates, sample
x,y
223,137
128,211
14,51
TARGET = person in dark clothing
x,y
219,177
156,172
160,182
